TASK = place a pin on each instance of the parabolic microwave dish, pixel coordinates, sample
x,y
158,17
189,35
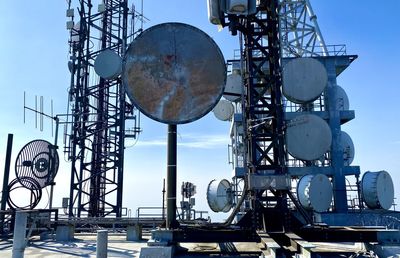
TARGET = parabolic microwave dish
x,y
174,73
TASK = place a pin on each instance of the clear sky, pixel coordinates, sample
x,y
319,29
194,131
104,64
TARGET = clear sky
x,y
34,56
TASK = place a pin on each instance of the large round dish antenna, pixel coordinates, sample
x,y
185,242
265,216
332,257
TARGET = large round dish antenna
x,y
308,137
304,79
39,161
224,110
377,190
315,192
219,195
174,73
348,148
108,64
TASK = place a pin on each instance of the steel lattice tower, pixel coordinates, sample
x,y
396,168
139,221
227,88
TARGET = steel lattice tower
x,y
99,110
299,31
262,108
280,30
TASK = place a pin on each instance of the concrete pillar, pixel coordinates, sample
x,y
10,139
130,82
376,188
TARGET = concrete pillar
x,y
134,232
65,232
102,242
19,234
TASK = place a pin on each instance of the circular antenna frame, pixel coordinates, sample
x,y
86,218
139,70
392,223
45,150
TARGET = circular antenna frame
x,y
32,186
174,73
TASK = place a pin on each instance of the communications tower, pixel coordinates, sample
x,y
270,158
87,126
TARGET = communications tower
x,y
266,155
101,116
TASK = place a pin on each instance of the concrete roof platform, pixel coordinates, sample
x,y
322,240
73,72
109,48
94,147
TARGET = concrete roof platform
x,y
84,245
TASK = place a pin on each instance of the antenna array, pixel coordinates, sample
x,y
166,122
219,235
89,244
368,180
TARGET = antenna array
x,y
99,109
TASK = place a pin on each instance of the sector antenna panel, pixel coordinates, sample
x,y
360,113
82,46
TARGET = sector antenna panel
x,y
174,73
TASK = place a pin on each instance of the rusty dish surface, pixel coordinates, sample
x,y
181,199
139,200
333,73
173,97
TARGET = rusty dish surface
x,y
174,73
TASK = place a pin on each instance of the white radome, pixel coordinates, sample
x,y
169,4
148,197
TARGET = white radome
x,y
377,190
308,137
342,101
348,148
108,64
304,79
219,195
234,86
224,110
315,192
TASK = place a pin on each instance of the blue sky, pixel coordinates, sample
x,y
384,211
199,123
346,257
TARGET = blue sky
x,y
34,56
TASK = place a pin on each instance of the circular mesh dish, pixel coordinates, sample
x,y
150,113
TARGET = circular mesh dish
x,y
37,160
174,73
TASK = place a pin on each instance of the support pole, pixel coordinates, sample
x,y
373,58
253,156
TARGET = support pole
x,y
4,196
171,177
19,234
52,165
102,242
163,200
6,173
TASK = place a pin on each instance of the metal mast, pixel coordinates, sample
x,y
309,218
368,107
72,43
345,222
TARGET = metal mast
x,y
263,107
300,33
280,30
99,109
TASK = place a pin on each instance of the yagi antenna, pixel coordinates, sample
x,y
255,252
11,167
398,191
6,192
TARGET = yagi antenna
x,y
39,112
